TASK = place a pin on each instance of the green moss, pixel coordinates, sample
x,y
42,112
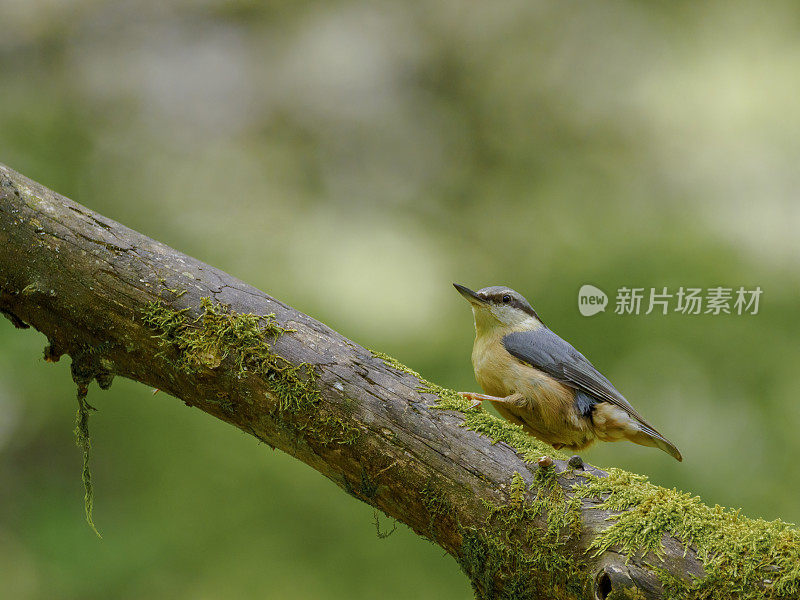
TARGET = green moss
x,y
532,562
529,562
367,488
745,559
336,431
394,363
367,491
627,593
484,560
518,489
217,333
499,430
88,364
739,554
437,506
382,535
220,334
519,549
84,442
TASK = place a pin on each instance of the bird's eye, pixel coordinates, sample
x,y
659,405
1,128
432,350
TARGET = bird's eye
x,y
506,298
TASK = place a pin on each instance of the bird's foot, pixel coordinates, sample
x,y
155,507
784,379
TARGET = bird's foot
x,y
477,399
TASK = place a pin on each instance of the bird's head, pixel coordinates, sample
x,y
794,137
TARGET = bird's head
x,y
500,306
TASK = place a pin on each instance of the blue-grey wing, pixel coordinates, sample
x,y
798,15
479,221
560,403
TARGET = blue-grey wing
x,y
543,349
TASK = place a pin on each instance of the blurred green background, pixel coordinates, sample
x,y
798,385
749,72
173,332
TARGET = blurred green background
x,y
354,159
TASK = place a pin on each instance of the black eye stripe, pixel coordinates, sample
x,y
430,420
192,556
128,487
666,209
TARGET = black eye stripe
x,y
516,303
494,296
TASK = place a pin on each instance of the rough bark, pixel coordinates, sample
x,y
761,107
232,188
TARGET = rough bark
x,y
88,283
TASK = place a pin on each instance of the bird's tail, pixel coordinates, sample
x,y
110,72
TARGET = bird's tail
x,y
647,436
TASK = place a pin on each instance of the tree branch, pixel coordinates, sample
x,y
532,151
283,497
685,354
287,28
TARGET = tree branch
x,y
120,303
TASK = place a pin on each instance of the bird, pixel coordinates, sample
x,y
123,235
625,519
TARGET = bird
x,y
537,380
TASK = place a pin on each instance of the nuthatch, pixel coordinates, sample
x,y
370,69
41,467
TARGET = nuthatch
x,y
535,379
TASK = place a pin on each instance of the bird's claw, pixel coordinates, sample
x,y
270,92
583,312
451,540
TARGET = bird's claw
x,y
476,402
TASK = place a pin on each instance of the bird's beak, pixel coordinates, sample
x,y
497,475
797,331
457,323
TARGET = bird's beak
x,y
470,296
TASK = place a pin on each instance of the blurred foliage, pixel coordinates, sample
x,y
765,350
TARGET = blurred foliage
x,y
354,159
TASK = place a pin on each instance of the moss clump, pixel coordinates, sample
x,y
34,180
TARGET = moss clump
x,y
87,365
499,430
367,487
394,363
84,442
563,512
219,334
376,518
437,505
746,559
335,429
521,549
532,562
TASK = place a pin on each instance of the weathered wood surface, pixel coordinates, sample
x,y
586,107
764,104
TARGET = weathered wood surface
x,y
85,281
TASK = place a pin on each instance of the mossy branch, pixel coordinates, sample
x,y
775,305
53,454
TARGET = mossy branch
x,y
120,303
